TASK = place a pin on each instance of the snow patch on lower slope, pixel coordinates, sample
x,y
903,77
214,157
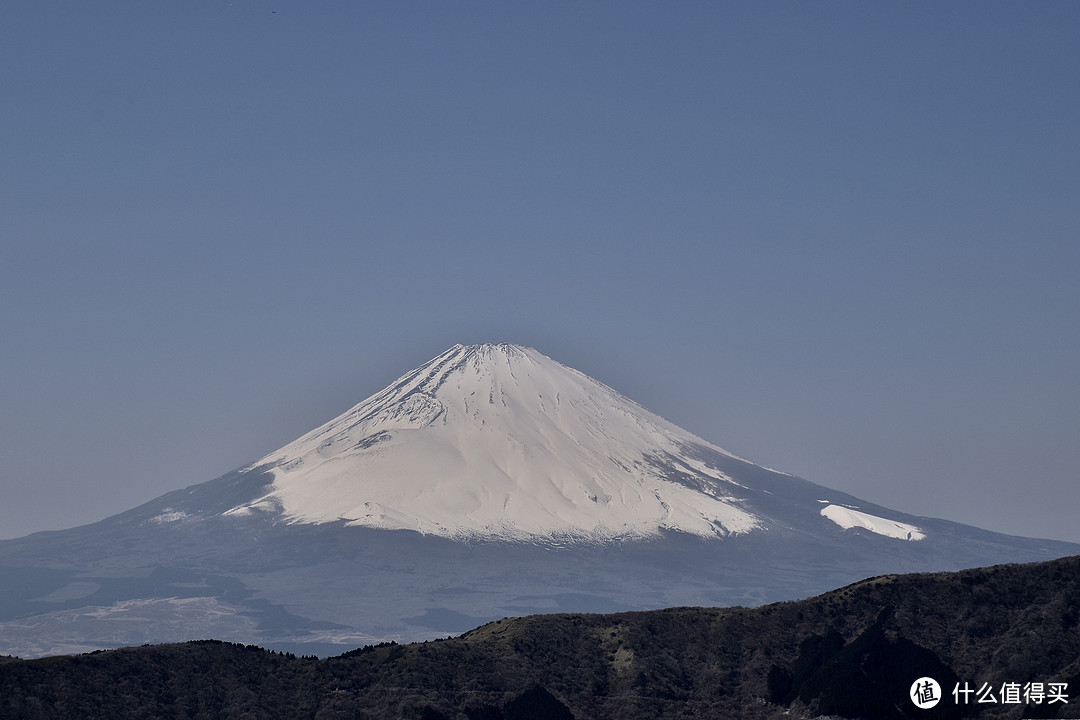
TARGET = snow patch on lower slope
x,y
848,518
169,516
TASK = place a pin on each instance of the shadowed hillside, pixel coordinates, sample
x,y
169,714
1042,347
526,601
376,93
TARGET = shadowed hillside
x,y
853,652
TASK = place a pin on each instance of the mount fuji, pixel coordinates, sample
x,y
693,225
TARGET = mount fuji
x,y
501,443
490,481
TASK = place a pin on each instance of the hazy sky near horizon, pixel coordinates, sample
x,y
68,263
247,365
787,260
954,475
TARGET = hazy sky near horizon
x,y
839,239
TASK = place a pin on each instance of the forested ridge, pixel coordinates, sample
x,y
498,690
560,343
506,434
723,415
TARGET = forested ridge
x,y
853,652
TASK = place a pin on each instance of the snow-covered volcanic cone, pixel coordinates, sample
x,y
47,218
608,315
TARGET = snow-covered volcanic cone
x,y
499,441
490,481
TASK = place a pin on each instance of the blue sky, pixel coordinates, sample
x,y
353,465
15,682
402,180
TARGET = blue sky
x,y
839,239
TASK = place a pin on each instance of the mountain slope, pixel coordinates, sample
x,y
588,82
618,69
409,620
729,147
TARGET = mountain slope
x,y
501,442
852,652
491,481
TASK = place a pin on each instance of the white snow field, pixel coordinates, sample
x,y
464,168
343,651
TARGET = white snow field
x,y
500,441
848,518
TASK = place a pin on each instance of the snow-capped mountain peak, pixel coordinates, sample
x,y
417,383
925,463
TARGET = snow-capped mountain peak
x,y
500,441
573,498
